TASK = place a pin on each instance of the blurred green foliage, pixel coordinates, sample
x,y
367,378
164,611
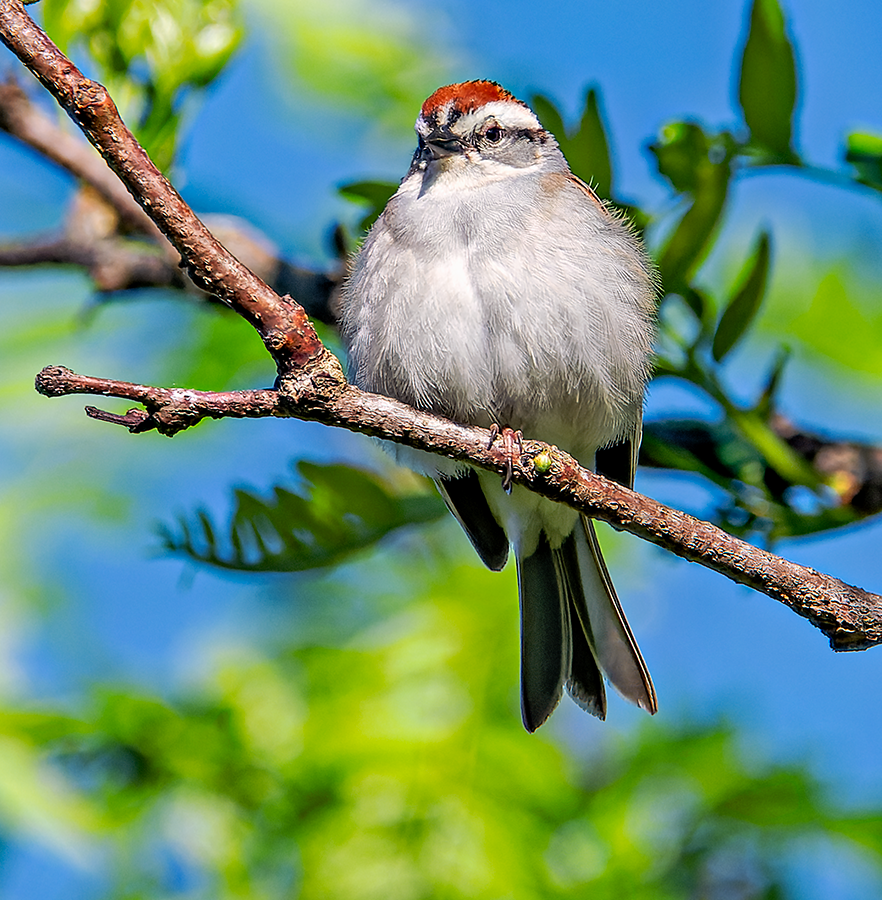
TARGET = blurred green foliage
x,y
390,765
376,59
375,753
340,511
151,55
835,318
864,152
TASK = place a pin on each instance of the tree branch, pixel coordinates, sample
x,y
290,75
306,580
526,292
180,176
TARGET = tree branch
x,y
169,410
849,616
26,122
311,384
113,264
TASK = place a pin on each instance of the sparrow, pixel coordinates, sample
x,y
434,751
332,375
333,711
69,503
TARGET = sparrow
x,y
498,290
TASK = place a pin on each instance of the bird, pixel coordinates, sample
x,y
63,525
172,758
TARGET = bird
x,y
498,290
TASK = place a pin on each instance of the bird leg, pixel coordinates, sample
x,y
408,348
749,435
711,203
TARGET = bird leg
x,y
510,440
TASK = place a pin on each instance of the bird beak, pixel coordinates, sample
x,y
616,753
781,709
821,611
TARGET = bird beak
x,y
441,143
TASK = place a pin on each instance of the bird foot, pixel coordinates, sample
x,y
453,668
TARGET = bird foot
x,y
510,440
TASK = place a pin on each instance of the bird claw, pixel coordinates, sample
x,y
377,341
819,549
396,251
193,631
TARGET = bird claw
x,y
510,439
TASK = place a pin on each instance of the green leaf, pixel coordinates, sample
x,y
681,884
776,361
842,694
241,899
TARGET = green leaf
x,y
338,511
375,194
864,152
587,150
697,300
693,237
745,304
700,165
680,151
766,402
768,85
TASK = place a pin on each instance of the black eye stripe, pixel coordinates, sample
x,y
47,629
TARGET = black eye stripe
x,y
528,134
531,134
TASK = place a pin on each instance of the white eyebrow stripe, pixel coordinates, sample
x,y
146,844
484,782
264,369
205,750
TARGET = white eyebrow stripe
x,y
508,114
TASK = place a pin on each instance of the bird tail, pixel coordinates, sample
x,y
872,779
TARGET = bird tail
x,y
572,628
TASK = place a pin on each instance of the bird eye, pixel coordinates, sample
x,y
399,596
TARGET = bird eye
x,y
494,134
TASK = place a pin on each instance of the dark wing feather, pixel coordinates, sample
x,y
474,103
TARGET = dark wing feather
x,y
616,462
466,500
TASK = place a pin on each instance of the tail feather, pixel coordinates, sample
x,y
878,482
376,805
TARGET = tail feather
x,y
605,625
573,629
546,644
585,682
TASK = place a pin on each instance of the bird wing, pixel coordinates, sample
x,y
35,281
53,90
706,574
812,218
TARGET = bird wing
x,y
618,462
465,499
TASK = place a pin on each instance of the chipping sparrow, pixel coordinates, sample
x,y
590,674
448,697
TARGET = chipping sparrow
x,y
496,288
